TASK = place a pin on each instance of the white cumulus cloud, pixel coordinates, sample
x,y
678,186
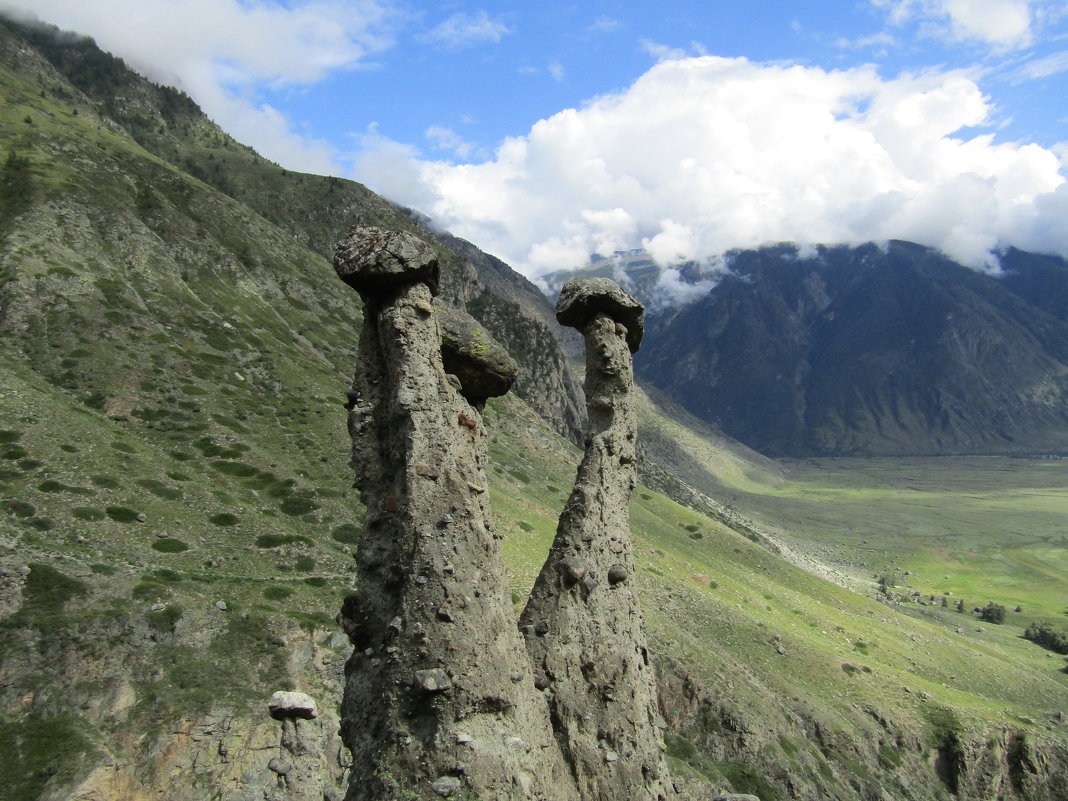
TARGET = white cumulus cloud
x,y
221,51
702,155
1002,24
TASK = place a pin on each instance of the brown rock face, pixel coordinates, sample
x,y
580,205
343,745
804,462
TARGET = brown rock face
x,y
583,624
431,704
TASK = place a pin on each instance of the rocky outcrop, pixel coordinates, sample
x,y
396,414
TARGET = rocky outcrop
x,y
439,700
583,624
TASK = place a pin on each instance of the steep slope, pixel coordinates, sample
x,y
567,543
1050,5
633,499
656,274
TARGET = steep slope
x,y
315,211
861,351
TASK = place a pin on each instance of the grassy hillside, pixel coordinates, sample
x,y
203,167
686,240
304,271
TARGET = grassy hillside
x,y
179,520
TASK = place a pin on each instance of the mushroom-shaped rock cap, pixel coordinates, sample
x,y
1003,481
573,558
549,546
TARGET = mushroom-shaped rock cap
x,y
373,260
582,299
483,365
292,705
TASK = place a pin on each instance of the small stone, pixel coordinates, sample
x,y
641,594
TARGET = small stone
x,y
463,738
448,569
516,676
292,705
221,606
611,756
781,651
541,681
444,615
434,680
141,517
427,471
446,786
157,607
541,628
279,766
617,574
421,580
396,624
23,571
447,520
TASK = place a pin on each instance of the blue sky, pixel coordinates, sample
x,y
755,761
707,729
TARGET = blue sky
x,y
546,131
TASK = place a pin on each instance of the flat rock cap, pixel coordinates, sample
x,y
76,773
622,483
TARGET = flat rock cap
x,y
373,260
468,351
582,299
292,705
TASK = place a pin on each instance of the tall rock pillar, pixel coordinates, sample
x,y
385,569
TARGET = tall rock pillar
x,y
583,624
439,698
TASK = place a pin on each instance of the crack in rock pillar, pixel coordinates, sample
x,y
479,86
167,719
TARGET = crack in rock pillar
x,y
583,623
439,698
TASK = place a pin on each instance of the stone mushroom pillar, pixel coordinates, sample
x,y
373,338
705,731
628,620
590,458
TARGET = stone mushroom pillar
x,y
299,765
583,624
439,700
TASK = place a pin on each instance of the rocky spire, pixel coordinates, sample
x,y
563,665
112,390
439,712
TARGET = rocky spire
x,y
583,624
439,698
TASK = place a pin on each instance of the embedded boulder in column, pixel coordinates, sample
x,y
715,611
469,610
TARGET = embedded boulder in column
x,y
468,351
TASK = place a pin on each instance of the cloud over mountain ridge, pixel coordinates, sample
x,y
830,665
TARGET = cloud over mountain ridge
x,y
701,155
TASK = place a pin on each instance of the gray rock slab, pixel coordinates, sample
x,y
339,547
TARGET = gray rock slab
x,y
581,299
292,705
373,260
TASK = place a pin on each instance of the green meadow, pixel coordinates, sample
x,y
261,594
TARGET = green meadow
x,y
978,529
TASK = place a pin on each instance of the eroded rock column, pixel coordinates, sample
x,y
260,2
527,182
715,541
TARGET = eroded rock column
x,y
439,700
583,623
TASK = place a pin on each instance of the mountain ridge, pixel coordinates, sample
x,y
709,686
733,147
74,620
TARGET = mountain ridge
x,y
869,350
